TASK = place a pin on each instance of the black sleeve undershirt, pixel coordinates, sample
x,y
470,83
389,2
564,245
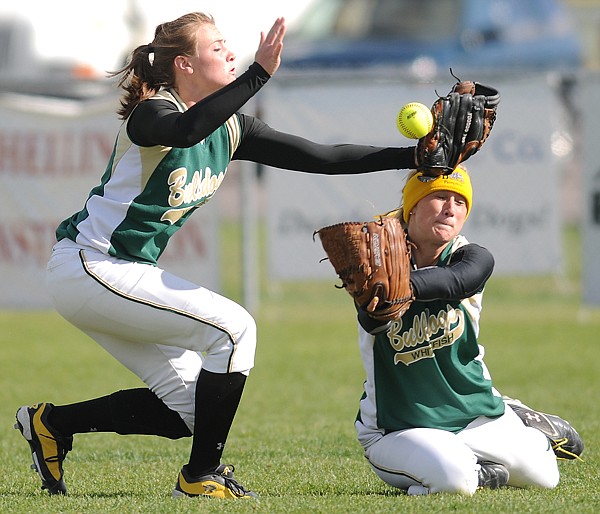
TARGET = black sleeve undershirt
x,y
263,144
467,272
158,122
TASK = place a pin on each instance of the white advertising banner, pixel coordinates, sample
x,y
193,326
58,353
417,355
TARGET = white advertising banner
x,y
591,190
515,210
52,152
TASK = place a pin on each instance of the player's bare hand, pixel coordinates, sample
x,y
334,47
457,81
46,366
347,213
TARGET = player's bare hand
x,y
269,50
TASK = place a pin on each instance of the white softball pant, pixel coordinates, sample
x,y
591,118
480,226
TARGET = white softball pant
x,y
161,327
426,460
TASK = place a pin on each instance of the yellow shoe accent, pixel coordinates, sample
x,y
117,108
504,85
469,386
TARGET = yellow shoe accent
x,y
219,484
48,442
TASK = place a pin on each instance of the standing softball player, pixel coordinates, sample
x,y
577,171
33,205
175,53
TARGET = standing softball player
x,y
430,420
191,347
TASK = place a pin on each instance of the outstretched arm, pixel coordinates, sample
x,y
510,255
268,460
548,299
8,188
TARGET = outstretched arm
x,y
265,145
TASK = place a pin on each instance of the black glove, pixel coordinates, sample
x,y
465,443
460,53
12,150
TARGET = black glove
x,y
462,121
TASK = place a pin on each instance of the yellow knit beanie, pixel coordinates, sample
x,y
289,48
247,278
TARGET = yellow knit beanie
x,y
419,186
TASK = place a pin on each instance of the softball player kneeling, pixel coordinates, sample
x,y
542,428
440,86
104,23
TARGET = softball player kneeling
x,y
430,420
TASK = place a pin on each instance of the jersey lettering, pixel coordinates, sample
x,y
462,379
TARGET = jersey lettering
x,y
428,333
196,191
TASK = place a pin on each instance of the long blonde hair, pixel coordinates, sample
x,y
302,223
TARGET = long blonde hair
x,y
150,66
398,211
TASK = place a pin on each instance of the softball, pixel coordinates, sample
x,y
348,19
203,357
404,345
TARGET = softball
x,y
414,120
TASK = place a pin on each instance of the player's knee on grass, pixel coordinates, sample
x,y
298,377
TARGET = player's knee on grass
x,y
423,461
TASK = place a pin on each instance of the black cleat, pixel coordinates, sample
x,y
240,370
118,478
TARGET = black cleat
x,y
566,442
492,475
48,447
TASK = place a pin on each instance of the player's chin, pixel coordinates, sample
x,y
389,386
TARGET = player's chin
x,y
445,233
226,79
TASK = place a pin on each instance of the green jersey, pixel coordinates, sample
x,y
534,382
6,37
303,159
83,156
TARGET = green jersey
x,y
426,369
147,193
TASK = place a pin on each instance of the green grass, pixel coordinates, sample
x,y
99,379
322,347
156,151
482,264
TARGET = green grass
x,y
293,439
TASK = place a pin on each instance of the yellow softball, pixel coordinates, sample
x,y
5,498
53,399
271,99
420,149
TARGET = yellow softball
x,y
414,120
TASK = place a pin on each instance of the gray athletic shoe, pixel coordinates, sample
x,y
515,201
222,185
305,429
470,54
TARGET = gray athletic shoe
x,y
566,442
492,475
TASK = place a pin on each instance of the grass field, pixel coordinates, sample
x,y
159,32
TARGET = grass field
x,y
293,439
